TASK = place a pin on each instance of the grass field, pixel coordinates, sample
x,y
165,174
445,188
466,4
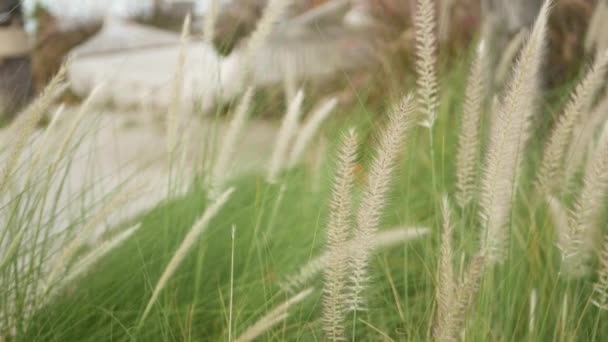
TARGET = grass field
x,y
503,266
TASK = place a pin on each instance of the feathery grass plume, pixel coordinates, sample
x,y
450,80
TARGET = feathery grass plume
x,y
173,121
380,240
424,23
446,285
600,288
276,315
197,229
85,264
582,138
532,313
25,124
69,135
595,25
209,22
579,244
466,294
508,138
71,248
550,172
401,119
559,214
289,127
309,129
45,142
221,167
273,11
467,157
338,229
506,59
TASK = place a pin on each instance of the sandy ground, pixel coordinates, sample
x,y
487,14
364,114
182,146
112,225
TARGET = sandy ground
x,y
128,151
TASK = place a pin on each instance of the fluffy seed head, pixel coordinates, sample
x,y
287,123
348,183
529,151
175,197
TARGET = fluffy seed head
x,y
508,137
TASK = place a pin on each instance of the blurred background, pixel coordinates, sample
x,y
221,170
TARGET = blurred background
x,y
134,45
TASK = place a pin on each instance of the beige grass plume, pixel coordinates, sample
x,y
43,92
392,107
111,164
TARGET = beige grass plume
x,y
551,172
374,197
273,317
467,157
209,22
466,294
561,220
600,288
506,59
309,129
66,255
289,128
173,116
197,229
90,259
583,137
274,10
578,246
446,285
426,60
383,239
338,229
597,22
221,167
508,137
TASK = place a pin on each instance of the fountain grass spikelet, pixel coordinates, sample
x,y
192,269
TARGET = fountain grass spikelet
x,y
465,296
273,317
309,129
373,201
197,229
426,46
551,171
209,22
561,220
506,59
467,157
580,242
380,240
90,259
173,115
66,255
221,167
446,285
600,288
338,229
508,138
273,11
583,137
289,128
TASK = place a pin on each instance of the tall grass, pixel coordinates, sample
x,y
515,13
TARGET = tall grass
x,y
522,256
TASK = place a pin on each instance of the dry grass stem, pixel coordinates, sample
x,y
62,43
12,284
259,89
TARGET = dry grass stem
x,y
289,128
197,229
276,315
309,130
